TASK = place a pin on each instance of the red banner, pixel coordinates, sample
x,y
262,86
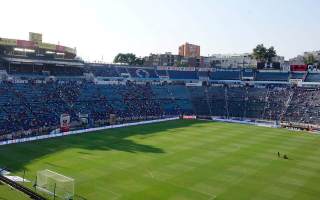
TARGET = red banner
x,y
64,122
60,48
25,44
189,117
299,68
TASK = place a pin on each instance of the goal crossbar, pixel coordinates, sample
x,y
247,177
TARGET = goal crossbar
x,y
55,175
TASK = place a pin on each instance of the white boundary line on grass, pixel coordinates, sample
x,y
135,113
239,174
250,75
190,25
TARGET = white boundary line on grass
x,y
42,137
248,122
150,173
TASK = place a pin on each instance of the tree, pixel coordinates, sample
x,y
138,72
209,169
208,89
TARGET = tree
x,y
262,54
259,53
120,58
181,64
128,58
270,54
309,60
139,61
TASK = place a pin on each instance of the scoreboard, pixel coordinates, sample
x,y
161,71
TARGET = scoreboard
x,y
35,37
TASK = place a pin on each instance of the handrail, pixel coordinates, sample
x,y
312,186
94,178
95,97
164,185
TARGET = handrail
x,y
33,195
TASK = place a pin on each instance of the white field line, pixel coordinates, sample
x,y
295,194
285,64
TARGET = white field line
x,y
117,196
212,196
150,173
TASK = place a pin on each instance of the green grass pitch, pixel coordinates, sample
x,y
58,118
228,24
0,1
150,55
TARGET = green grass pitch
x,y
177,160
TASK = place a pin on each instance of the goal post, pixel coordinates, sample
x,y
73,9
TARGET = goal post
x,y
55,184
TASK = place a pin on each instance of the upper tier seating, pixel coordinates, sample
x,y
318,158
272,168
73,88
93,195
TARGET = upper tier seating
x,y
28,109
297,75
225,75
183,75
313,77
104,71
147,73
272,76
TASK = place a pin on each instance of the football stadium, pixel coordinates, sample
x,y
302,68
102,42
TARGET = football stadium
x,y
71,129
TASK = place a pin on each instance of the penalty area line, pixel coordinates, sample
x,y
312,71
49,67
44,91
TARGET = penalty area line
x,y
150,173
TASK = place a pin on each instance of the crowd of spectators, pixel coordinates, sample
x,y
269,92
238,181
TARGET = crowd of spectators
x,y
304,106
35,108
278,99
255,102
31,108
274,103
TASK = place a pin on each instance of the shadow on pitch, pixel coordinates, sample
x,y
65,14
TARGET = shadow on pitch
x,y
16,157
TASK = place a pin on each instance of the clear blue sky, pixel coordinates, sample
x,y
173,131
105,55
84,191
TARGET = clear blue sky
x,y
105,27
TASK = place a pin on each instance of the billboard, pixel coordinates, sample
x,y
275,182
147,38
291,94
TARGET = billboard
x,y
47,46
64,122
70,50
297,82
60,48
112,119
84,118
266,65
298,68
189,117
35,37
25,44
8,42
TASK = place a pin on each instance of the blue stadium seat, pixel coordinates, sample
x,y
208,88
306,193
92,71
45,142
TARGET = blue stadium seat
x,y
225,75
313,77
183,75
272,76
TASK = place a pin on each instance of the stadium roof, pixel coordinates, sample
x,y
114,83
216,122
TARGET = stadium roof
x,y
42,61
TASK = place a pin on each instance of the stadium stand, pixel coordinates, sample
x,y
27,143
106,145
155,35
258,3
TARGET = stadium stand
x,y
144,73
235,102
272,76
183,75
217,98
40,65
225,75
313,77
102,70
162,73
298,75
31,108
276,102
304,106
199,100
255,102
204,75
248,73
123,71
35,91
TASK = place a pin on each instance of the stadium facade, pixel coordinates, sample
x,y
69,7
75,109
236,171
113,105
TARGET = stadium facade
x,y
45,89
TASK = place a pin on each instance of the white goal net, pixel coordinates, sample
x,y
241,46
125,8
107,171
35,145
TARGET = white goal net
x,y
55,184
